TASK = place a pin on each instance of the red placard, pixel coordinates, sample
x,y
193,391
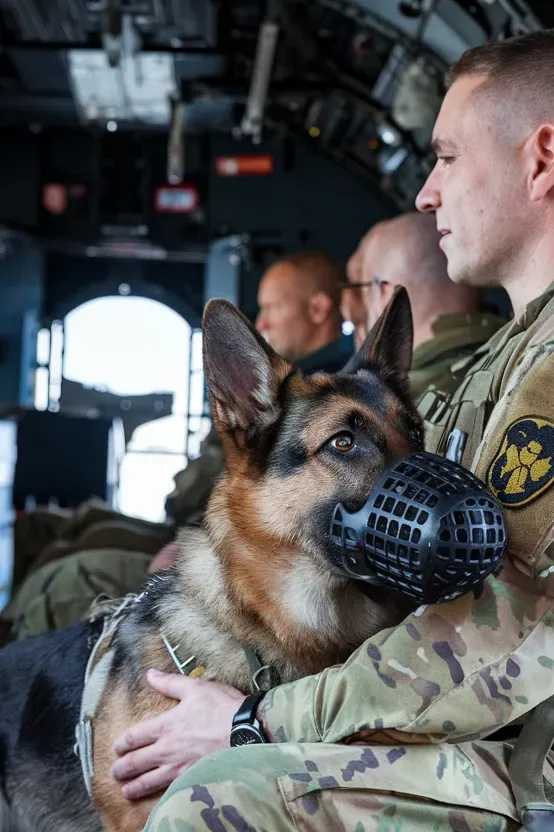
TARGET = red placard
x,y
257,165
176,199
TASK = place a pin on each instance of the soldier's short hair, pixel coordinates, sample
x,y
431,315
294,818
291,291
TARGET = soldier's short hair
x,y
319,271
519,69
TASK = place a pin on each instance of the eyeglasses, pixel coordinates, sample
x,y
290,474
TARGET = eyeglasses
x,y
359,284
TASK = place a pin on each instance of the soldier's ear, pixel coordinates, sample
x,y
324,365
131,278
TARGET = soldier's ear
x,y
243,374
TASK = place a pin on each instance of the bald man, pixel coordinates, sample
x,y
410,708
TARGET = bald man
x,y
299,300
447,322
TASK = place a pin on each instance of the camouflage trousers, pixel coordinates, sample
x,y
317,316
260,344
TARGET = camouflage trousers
x,y
355,788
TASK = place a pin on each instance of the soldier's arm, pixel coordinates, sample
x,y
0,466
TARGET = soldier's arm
x,y
464,668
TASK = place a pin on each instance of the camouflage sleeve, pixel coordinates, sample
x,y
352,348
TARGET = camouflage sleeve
x,y
458,670
516,457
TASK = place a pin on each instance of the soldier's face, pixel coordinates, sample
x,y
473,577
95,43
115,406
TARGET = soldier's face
x,y
284,317
476,189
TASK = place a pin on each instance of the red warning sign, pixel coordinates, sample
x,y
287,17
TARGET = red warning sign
x,y
257,165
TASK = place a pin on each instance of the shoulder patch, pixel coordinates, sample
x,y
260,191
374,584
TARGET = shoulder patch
x,y
524,465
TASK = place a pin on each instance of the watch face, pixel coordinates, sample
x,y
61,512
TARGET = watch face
x,y
245,735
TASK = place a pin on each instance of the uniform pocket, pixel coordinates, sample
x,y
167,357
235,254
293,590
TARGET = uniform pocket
x,y
421,787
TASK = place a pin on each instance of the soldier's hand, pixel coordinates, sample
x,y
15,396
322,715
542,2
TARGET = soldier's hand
x,y
154,752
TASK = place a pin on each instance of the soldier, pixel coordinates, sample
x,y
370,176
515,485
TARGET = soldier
x,y
448,325
77,556
60,593
299,300
405,735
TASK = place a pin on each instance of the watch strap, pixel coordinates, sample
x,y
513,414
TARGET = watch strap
x,y
247,711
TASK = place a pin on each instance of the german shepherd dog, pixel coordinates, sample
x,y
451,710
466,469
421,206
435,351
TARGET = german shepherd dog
x,y
262,572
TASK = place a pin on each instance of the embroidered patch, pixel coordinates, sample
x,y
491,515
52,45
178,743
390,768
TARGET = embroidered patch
x,y
524,466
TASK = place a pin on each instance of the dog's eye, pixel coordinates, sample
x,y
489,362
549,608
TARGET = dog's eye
x,y
342,442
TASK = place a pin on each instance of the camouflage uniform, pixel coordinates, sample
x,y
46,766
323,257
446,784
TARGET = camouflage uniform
x,y
72,557
47,534
454,337
60,593
34,531
395,739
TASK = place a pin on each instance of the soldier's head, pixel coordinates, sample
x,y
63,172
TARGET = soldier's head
x,y
405,252
299,299
492,188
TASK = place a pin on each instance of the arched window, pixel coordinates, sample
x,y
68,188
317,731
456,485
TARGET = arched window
x,y
114,350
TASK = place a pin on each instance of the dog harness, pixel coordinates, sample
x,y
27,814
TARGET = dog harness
x,y
96,676
98,671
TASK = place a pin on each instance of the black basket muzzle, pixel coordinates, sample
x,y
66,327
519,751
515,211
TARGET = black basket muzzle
x,y
430,530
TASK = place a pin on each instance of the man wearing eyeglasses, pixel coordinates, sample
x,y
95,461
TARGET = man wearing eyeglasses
x,y
448,325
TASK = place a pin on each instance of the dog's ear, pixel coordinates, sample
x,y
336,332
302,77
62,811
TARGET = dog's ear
x,y
242,372
389,344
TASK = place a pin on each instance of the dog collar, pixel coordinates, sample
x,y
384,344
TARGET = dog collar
x,y
257,669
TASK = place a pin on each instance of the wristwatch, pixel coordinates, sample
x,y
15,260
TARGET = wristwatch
x,y
246,728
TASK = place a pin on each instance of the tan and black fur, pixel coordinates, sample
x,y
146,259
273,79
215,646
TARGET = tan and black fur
x,y
264,571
